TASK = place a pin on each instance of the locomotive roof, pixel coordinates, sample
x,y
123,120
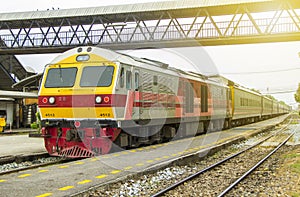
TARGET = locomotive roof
x,y
164,67
149,64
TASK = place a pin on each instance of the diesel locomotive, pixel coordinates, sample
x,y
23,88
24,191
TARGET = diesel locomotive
x,y
93,99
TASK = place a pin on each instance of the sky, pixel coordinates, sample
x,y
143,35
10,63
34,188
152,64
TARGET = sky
x,y
271,68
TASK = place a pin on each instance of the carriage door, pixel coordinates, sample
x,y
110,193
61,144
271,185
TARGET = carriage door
x,y
204,98
189,97
137,95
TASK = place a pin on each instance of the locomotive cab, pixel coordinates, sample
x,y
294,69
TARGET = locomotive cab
x,y
77,89
76,104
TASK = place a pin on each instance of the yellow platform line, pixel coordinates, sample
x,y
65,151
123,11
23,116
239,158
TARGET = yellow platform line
x,y
94,159
24,175
79,163
66,188
44,195
101,176
128,168
66,166
41,171
115,171
84,182
1,181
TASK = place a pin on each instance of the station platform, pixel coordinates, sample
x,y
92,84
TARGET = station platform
x,y
77,176
16,142
17,131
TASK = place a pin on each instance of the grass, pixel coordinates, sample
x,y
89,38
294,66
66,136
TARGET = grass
x,y
293,160
292,156
293,163
295,194
296,166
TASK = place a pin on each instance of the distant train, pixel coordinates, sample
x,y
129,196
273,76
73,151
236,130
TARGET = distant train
x,y
91,98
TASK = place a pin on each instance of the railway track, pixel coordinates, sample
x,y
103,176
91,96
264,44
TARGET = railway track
x,y
13,164
281,135
225,191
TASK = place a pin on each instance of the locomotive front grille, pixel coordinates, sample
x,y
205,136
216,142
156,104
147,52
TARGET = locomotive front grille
x,y
75,152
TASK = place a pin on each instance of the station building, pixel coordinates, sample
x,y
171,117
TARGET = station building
x,y
18,98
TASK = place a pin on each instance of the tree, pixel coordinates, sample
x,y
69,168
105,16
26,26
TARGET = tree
x,y
254,90
271,97
297,95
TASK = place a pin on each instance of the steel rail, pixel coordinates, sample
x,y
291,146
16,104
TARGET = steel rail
x,y
214,165
255,166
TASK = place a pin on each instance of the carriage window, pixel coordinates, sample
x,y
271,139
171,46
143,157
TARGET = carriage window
x,y
137,81
97,76
155,80
128,80
122,78
60,77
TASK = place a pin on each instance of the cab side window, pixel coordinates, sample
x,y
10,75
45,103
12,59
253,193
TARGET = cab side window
x,y
136,81
128,80
122,76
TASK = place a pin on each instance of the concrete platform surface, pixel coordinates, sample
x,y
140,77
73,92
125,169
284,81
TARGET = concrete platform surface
x,y
20,145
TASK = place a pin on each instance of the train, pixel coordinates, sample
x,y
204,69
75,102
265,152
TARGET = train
x,y
93,100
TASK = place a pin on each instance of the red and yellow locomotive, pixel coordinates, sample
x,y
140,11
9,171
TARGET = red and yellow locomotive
x,y
92,99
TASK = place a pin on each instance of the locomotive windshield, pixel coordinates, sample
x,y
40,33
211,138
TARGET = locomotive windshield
x,y
60,77
97,76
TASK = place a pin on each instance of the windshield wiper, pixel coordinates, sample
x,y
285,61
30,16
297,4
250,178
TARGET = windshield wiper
x,y
60,73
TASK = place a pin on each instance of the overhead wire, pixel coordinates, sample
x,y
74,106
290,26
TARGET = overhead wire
x,y
281,92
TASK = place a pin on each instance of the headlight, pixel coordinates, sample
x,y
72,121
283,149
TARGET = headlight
x,y
98,99
51,100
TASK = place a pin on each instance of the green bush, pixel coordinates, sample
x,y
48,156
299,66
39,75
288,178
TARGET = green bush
x,y
33,126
